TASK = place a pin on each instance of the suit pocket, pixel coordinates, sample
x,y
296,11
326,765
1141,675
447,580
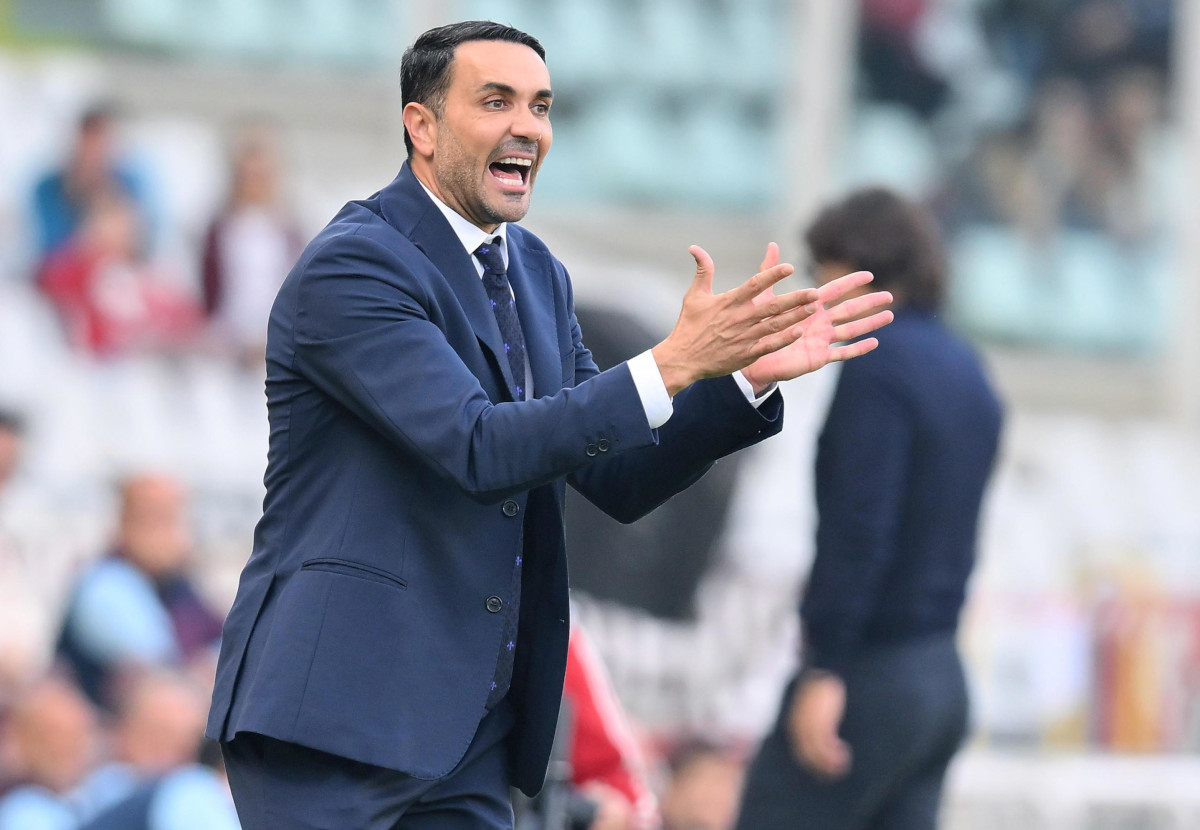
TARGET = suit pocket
x,y
355,569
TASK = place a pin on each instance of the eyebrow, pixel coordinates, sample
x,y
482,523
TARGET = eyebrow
x,y
493,86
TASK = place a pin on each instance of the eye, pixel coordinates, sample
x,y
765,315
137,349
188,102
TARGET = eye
x,y
541,109
494,104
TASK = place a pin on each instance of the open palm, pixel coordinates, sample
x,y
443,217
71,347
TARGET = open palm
x,y
842,315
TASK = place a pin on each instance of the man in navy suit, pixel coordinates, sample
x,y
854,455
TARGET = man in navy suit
x,y
395,654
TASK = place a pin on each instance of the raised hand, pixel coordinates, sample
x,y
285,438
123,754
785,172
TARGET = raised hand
x,y
820,338
717,334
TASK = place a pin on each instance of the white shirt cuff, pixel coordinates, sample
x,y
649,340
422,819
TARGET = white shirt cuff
x,y
651,389
748,390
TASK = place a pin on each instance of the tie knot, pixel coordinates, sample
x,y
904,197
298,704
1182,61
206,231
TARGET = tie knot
x,y
489,255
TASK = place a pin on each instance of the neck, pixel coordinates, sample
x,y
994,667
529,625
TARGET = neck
x,y
423,170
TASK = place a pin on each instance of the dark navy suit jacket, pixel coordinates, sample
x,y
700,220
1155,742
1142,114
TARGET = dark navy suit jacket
x,y
402,481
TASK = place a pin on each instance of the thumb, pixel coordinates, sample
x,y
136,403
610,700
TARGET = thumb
x,y
704,269
772,257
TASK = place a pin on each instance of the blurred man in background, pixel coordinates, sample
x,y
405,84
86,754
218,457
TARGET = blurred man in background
x,y
160,774
250,246
879,708
52,743
62,198
12,430
137,606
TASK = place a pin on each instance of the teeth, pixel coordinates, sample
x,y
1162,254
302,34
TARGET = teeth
x,y
521,162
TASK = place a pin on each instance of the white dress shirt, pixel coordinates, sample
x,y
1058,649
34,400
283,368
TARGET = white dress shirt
x,y
646,377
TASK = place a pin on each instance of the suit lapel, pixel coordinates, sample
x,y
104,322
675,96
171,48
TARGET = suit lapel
x,y
528,271
406,207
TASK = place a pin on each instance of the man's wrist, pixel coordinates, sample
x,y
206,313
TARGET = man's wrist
x,y
753,394
675,375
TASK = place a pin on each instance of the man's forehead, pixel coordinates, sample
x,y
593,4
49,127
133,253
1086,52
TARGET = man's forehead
x,y
481,62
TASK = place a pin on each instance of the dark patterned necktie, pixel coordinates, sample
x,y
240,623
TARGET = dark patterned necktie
x,y
495,282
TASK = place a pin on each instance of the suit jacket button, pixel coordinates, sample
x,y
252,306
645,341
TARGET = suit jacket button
x,y
510,508
590,449
494,604
602,445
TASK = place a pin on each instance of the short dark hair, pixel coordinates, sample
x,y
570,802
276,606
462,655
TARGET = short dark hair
x,y
877,230
425,67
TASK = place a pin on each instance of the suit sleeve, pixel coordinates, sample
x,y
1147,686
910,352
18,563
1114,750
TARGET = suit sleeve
x,y
861,473
364,336
711,419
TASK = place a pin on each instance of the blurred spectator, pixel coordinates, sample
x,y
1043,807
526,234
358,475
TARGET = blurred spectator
x,y
137,606
868,727
63,198
52,744
159,727
250,247
110,298
892,66
16,652
606,763
11,434
703,791
192,797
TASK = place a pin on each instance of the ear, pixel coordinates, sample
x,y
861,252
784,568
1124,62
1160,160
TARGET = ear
x,y
421,124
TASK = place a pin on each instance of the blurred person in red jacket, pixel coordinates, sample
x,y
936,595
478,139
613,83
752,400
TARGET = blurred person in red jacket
x,y
606,763
250,246
110,299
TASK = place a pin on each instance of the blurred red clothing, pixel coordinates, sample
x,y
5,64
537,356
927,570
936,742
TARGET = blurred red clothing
x,y
110,306
603,746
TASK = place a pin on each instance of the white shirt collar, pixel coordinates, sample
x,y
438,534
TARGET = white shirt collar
x,y
468,234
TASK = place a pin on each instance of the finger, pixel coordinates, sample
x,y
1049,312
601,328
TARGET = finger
x,y
772,257
857,328
781,323
780,340
760,282
768,304
705,269
832,292
852,350
857,307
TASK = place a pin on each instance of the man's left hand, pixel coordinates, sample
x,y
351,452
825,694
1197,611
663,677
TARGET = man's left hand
x,y
817,708
824,334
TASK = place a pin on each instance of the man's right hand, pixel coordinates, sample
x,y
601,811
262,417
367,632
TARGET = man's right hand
x,y
718,334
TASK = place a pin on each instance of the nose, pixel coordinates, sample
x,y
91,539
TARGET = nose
x,y
527,125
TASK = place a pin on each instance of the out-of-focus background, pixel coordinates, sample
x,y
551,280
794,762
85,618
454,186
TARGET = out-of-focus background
x,y
1056,141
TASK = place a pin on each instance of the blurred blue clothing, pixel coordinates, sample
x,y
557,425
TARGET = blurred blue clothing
x,y
190,798
58,214
35,808
115,616
110,784
902,463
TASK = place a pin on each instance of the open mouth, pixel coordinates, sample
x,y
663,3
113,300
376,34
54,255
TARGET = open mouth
x,y
512,171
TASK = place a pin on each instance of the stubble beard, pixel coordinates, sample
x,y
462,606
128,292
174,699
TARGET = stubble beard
x,y
462,179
